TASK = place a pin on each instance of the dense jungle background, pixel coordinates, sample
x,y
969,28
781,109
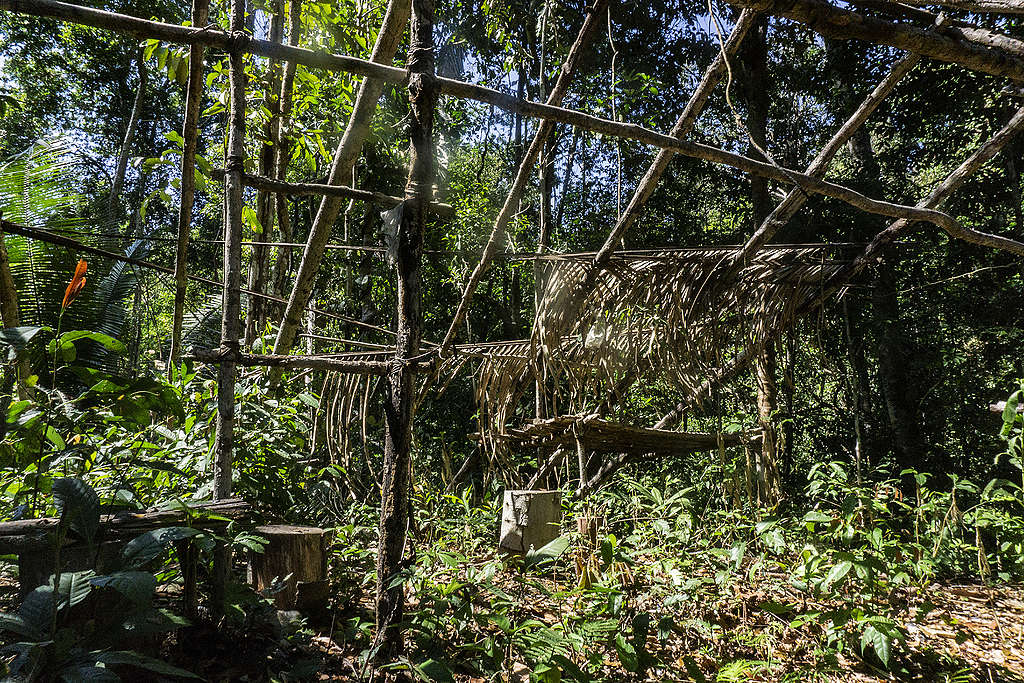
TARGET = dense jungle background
x,y
889,547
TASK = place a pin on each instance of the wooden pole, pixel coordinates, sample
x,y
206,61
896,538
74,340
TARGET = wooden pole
x,y
361,367
224,439
61,240
401,391
283,262
821,16
819,166
189,133
319,189
255,319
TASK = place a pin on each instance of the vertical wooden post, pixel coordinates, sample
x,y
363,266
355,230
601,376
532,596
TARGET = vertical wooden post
x,y
224,441
398,405
193,102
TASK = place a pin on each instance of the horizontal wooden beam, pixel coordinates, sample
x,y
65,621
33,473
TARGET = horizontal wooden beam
x,y
937,43
363,367
259,182
821,16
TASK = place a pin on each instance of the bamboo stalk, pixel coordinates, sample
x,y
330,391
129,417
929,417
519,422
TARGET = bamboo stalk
x,y
193,95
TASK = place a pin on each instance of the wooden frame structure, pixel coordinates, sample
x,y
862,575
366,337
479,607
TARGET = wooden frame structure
x,y
970,47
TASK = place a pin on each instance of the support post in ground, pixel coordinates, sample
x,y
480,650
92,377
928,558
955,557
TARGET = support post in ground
x,y
224,440
401,390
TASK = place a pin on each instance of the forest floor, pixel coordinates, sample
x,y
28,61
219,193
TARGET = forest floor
x,y
955,632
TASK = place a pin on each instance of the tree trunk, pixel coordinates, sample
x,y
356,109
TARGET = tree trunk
x,y
283,261
754,58
401,391
255,321
224,439
193,95
341,170
296,555
129,133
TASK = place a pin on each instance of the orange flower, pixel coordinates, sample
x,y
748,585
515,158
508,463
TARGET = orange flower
x,y
76,285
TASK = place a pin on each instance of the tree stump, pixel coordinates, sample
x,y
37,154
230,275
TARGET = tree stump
x,y
590,526
530,519
298,551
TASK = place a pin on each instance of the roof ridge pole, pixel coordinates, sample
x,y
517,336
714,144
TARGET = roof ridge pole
x,y
224,439
400,387
193,95
498,232
871,253
345,156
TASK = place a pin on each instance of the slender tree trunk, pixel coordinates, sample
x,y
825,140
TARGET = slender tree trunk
x,y
193,95
895,362
129,133
401,391
754,57
283,261
224,439
255,321
341,170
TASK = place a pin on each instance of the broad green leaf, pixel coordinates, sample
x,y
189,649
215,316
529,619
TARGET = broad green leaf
x,y
79,506
150,545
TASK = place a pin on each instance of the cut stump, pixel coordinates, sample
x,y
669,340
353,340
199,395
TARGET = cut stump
x,y
530,519
298,553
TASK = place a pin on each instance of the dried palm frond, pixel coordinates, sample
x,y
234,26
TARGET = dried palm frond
x,y
670,313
